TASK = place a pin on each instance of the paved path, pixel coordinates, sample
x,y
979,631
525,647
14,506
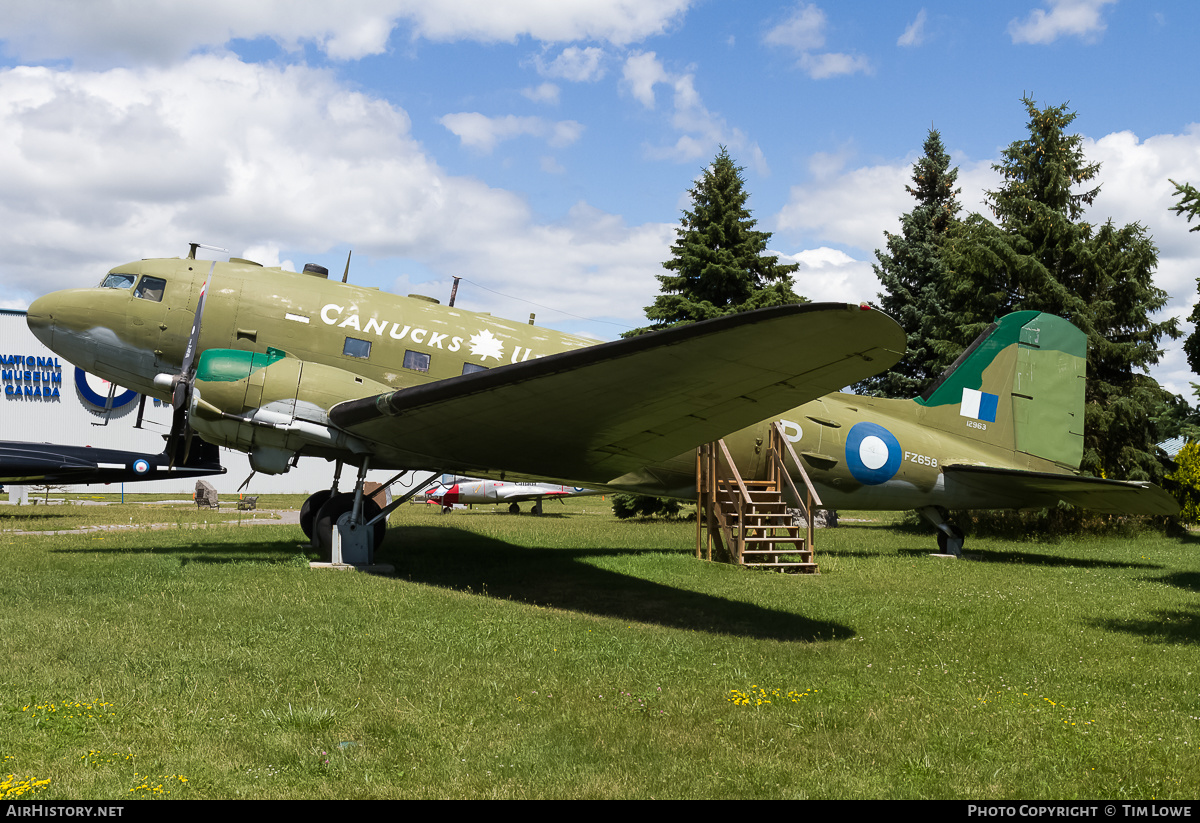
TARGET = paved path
x,y
287,517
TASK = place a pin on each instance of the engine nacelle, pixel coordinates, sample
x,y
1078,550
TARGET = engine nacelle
x,y
272,405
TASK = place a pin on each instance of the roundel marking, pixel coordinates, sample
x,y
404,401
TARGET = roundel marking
x,y
141,466
97,394
873,453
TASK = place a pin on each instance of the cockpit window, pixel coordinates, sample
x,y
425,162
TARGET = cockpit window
x,y
118,281
151,288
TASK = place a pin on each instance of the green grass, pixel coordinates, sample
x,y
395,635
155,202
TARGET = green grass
x,y
577,656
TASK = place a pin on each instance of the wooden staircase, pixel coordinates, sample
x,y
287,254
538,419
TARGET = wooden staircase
x,y
746,522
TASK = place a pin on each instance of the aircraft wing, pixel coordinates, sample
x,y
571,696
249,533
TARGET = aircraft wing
x,y
596,413
1027,489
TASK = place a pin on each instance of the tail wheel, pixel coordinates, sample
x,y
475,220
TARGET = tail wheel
x,y
327,517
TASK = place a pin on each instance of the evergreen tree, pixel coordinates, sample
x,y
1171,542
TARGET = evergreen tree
x,y
718,267
913,275
1043,255
718,264
1189,206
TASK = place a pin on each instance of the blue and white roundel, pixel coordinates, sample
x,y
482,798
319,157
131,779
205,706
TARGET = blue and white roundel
x,y
141,466
95,390
873,453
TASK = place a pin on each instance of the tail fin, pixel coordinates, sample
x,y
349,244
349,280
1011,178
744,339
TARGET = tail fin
x,y
1019,386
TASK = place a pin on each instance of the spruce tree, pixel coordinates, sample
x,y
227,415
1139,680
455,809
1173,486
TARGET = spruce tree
x,y
1189,206
718,264
1043,255
913,274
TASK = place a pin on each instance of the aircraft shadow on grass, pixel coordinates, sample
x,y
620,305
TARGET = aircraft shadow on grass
x,y
559,578
1163,626
554,578
1039,559
197,552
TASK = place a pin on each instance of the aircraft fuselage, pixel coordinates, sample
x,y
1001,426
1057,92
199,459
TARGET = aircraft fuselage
x,y
861,452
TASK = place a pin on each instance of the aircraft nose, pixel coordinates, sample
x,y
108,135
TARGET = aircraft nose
x,y
40,318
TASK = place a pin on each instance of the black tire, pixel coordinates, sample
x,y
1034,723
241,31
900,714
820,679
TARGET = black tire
x,y
327,517
513,508
308,512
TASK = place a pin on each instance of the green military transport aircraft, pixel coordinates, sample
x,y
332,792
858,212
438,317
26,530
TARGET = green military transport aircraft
x,y
281,365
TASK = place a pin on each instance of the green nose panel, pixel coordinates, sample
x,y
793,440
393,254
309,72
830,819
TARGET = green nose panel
x,y
231,365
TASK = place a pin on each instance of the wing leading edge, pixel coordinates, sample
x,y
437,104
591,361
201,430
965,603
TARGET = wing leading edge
x,y
596,413
1026,489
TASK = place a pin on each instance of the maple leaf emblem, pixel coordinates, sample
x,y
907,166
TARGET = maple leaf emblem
x,y
485,344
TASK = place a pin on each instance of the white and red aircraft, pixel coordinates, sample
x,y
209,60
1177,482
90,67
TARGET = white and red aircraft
x,y
452,490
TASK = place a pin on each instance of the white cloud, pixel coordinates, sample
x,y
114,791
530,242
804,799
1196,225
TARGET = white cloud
x,y
852,208
543,93
833,64
641,73
480,132
137,32
97,168
829,275
1074,18
574,64
701,130
914,35
804,32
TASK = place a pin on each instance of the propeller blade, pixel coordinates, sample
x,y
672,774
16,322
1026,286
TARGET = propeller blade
x,y
181,393
189,354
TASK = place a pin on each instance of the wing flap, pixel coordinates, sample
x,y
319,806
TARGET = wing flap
x,y
1026,489
599,412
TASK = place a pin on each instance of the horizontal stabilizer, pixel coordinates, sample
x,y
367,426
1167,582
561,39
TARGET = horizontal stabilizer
x,y
598,412
1028,490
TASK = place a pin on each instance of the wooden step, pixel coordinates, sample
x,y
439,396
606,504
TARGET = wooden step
x,y
796,568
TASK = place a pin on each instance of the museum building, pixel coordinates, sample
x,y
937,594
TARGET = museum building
x,y
48,400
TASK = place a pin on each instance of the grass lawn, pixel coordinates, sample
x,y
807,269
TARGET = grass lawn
x,y
574,655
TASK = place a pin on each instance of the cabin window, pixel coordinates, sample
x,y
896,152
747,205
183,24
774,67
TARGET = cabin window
x,y
151,288
118,281
416,360
357,348
471,368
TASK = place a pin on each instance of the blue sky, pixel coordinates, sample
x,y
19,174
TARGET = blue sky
x,y
543,150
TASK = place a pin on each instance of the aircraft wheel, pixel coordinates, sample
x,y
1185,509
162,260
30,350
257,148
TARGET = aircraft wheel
x,y
537,508
513,508
944,540
326,521
308,511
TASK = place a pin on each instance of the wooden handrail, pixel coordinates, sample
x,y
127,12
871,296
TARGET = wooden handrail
x,y
736,474
799,466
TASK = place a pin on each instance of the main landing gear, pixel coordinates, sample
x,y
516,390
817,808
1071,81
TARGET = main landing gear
x,y
949,537
514,508
346,527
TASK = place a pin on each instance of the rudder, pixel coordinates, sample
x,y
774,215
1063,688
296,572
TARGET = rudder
x,y
1018,386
